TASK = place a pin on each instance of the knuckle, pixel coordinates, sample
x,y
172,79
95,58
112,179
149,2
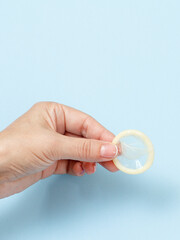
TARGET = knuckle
x,y
85,150
53,147
85,126
45,104
38,104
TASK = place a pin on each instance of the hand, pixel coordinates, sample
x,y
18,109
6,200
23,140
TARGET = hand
x,y
52,138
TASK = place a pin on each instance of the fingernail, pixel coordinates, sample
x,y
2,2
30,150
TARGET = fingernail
x,y
95,167
109,151
83,171
119,148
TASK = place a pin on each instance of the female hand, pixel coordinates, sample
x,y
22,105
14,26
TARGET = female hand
x,y
52,138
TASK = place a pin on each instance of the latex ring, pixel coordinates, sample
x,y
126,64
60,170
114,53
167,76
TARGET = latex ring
x,y
150,151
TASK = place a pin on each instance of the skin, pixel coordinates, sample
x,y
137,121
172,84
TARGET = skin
x,y
52,138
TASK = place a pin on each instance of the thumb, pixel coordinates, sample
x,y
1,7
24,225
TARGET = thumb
x,y
83,149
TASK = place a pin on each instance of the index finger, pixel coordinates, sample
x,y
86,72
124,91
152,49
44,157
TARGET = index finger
x,y
79,123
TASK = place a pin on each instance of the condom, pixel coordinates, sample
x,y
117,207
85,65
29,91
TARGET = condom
x,y
137,152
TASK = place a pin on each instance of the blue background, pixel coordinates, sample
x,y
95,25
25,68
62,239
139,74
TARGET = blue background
x,y
119,61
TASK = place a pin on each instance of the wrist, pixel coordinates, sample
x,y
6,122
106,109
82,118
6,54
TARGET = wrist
x,y
3,159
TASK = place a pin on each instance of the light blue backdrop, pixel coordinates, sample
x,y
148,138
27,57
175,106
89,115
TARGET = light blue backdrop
x,y
120,62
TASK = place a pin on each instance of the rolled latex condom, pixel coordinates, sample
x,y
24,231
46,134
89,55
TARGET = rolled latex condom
x,y
137,152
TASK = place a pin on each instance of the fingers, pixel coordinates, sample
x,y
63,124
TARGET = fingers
x,y
75,168
80,123
109,166
91,167
69,167
72,135
73,123
88,167
63,119
89,150
78,169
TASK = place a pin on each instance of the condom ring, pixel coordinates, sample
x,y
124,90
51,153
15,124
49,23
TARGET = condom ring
x,y
137,152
